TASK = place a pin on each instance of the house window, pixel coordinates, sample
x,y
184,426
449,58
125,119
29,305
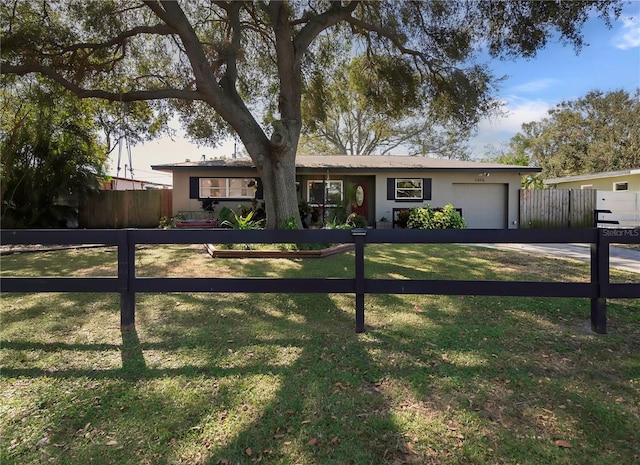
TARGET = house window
x,y
332,192
236,188
409,189
621,186
586,186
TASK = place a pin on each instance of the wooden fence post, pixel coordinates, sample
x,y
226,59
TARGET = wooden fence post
x,y
126,274
599,275
359,237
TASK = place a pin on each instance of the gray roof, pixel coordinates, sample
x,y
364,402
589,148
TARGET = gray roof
x,y
355,163
587,177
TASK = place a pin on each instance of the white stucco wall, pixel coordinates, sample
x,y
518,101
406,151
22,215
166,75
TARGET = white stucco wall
x,y
181,200
441,189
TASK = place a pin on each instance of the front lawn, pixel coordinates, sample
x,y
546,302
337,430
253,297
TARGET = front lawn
x,y
284,379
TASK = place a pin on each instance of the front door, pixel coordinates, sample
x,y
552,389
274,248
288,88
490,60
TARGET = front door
x,y
360,201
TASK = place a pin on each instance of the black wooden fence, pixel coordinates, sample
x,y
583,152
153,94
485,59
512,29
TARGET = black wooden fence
x,y
127,284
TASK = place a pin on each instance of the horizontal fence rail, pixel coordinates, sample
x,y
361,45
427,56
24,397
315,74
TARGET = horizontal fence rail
x,y
127,284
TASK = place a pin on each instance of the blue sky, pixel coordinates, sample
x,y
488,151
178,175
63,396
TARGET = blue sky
x,y
611,61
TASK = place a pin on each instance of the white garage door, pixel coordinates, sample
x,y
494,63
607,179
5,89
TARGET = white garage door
x,y
484,206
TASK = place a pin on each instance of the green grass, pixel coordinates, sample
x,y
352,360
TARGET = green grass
x,y
284,379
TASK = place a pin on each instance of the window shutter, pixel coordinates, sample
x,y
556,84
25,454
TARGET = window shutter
x,y
194,188
426,189
391,188
259,190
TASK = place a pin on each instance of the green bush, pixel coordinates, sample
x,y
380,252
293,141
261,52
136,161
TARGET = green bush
x,y
357,221
245,221
448,218
167,222
421,218
428,218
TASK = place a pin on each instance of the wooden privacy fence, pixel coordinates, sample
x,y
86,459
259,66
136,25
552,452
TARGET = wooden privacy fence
x,y
127,284
557,208
126,209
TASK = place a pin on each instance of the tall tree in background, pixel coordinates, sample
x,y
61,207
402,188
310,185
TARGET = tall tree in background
x,y
51,155
342,117
241,67
595,133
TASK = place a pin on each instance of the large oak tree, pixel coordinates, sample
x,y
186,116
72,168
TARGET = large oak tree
x,y
242,67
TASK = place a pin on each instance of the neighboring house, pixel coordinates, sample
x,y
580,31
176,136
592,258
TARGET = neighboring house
x,y
618,192
373,186
624,180
124,184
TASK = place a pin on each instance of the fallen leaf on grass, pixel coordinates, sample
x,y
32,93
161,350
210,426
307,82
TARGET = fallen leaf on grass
x,y
312,442
248,451
417,309
563,444
113,442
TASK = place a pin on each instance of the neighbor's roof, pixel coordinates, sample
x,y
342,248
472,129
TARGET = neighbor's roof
x,y
588,177
355,163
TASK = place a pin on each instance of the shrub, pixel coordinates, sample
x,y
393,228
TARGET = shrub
x,y
448,218
421,218
167,222
230,219
357,221
428,218
290,223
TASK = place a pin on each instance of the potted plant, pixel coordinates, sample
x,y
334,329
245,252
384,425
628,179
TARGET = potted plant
x,y
383,223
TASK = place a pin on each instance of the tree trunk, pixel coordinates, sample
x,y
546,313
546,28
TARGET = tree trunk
x,y
279,187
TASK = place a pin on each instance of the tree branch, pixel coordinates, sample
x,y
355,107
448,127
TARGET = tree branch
x,y
224,100
158,29
385,33
152,94
158,10
319,23
233,51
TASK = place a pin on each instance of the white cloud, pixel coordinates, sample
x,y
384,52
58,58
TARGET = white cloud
x,y
629,35
498,131
535,86
518,110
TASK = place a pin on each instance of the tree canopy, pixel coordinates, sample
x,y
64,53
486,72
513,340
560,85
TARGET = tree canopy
x,y
595,133
242,67
342,117
51,155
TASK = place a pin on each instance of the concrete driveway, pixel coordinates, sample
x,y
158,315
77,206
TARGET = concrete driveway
x,y
619,257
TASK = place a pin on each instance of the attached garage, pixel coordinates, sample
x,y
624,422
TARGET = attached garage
x,y
484,206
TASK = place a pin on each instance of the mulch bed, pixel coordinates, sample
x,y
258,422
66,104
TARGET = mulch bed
x,y
222,253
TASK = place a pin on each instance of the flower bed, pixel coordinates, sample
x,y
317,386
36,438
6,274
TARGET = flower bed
x,y
321,253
